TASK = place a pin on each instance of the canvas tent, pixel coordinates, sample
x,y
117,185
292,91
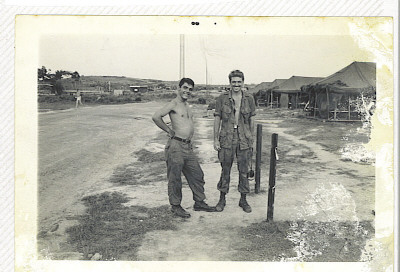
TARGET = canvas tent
x,y
290,90
260,87
334,94
268,96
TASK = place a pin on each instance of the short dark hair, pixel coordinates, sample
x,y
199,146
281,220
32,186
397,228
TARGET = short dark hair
x,y
236,73
186,80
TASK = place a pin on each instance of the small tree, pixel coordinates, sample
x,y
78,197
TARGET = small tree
x,y
75,75
59,74
58,87
42,72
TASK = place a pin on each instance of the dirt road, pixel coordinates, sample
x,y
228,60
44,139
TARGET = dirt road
x,y
79,150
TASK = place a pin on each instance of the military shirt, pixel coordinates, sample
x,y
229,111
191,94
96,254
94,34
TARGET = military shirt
x,y
225,108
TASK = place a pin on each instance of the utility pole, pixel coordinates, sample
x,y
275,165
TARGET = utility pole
x,y
206,73
182,56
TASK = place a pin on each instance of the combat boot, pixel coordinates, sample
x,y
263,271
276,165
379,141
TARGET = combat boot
x,y
179,211
243,204
221,203
202,206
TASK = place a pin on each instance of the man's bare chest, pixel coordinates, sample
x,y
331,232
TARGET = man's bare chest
x,y
182,112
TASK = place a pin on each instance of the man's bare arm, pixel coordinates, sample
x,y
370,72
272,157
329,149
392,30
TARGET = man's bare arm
x,y
217,123
158,117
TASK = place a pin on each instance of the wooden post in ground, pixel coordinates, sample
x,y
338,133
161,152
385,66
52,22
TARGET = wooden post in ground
x,y
349,108
258,158
272,175
315,104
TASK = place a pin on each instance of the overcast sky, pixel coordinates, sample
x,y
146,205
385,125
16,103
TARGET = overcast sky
x,y
261,58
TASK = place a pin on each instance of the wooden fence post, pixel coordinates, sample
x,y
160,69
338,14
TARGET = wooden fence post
x,y
258,158
272,175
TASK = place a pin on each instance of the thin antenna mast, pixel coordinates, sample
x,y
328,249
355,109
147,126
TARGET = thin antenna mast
x,y
182,56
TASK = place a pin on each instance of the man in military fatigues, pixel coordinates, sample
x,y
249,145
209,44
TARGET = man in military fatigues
x,y
233,136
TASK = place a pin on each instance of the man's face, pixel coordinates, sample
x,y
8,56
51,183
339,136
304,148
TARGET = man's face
x,y
236,84
184,91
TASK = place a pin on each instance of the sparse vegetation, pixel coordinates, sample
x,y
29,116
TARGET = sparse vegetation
x,y
134,174
149,157
113,230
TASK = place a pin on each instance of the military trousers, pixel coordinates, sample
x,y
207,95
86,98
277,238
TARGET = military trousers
x,y
226,157
180,159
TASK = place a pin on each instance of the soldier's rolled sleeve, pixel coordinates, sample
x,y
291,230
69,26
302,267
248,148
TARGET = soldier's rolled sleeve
x,y
218,107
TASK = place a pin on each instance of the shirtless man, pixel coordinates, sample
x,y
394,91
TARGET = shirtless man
x,y
179,151
78,99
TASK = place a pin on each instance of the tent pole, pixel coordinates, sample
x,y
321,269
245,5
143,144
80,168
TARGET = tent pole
x,y
334,114
327,100
272,100
349,107
277,102
315,103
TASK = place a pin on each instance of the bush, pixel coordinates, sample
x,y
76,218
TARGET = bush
x,y
90,98
211,106
48,99
67,97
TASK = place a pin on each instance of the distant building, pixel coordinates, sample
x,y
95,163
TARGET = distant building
x,y
118,92
45,88
141,89
83,92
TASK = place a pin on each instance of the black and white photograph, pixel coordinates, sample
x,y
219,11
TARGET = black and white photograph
x,y
234,140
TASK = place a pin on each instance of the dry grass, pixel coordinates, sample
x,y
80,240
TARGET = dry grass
x,y
150,157
149,167
114,230
138,173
